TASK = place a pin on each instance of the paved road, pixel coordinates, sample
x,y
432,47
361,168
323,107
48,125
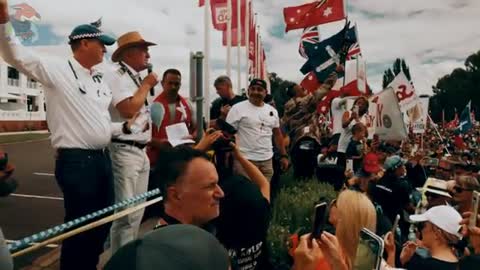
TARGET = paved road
x,y
37,203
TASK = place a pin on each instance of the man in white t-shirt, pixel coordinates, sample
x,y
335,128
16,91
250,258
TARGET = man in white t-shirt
x,y
256,122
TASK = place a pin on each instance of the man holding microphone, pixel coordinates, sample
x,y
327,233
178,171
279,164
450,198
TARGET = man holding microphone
x,y
130,163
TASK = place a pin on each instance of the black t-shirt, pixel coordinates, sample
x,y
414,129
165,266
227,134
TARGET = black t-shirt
x,y
419,263
243,223
416,175
218,103
355,149
393,194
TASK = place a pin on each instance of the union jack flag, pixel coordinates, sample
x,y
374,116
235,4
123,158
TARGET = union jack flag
x,y
354,49
309,37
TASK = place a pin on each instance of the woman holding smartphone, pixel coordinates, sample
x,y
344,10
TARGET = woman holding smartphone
x,y
354,211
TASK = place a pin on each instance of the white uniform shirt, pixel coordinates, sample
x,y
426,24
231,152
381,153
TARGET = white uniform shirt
x,y
124,87
77,109
255,129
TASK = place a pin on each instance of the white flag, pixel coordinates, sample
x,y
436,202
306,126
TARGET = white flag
x,y
404,92
387,118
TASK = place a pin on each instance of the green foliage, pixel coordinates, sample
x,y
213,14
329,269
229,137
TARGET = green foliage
x,y
279,89
454,90
398,66
292,213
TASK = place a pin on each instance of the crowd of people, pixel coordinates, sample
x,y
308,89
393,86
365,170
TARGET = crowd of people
x,y
218,192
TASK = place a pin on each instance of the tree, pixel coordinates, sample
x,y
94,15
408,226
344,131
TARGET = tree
x,y
454,90
398,66
279,88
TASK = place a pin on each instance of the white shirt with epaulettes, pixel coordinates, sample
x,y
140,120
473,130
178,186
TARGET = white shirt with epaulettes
x,y
123,87
77,99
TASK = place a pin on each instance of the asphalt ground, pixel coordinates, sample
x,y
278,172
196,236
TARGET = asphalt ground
x,y
37,204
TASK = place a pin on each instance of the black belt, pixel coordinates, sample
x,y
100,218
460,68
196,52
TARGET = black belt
x,y
129,142
80,151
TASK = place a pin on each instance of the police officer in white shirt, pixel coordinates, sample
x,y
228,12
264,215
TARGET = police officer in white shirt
x,y
129,159
77,114
256,122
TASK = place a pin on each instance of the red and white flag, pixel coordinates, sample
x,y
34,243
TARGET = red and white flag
x,y
312,14
220,13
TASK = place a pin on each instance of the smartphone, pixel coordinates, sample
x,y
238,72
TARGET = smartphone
x,y
369,250
349,165
475,203
319,219
395,224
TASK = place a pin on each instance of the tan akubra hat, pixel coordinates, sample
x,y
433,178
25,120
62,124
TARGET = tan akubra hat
x,y
128,40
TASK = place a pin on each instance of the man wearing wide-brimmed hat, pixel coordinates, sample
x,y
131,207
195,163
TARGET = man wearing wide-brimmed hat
x,y
130,163
77,101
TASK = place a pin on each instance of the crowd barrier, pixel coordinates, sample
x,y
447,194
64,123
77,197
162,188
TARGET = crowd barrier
x,y
59,232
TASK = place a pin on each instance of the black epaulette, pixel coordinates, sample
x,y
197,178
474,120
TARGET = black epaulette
x,y
121,70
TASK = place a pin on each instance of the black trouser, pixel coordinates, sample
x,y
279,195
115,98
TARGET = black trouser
x,y
86,180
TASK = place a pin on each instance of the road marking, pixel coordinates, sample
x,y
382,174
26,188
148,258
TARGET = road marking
x,y
31,244
43,174
36,197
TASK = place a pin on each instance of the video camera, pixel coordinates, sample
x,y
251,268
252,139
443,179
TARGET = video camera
x,y
228,131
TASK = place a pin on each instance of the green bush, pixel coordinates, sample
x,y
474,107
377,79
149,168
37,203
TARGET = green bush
x,y
292,213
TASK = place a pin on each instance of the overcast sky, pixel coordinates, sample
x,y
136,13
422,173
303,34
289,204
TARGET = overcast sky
x,y
434,36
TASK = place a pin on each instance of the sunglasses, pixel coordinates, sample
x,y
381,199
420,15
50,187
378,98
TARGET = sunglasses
x,y
459,189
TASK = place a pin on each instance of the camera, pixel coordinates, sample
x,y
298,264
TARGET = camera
x,y
228,131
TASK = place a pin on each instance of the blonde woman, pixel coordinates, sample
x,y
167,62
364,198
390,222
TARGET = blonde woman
x,y
354,211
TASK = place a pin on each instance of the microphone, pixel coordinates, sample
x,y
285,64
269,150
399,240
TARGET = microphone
x,y
149,70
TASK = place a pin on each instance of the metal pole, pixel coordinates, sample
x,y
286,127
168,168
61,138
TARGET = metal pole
x,y
199,97
206,61
193,76
239,41
229,38
247,44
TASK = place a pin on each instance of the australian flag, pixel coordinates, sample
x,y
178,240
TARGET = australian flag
x,y
324,56
310,38
465,123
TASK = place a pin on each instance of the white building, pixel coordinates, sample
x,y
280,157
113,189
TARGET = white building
x,y
22,103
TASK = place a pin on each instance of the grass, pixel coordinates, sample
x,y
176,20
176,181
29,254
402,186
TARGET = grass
x,y
16,138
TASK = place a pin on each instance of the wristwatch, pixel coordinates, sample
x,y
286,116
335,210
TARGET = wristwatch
x,y
125,128
283,156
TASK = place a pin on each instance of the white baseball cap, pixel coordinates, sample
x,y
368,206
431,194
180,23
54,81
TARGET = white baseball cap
x,y
443,216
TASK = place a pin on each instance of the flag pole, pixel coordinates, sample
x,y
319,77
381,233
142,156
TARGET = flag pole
x,y
247,41
257,54
345,58
438,133
206,62
239,41
229,38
